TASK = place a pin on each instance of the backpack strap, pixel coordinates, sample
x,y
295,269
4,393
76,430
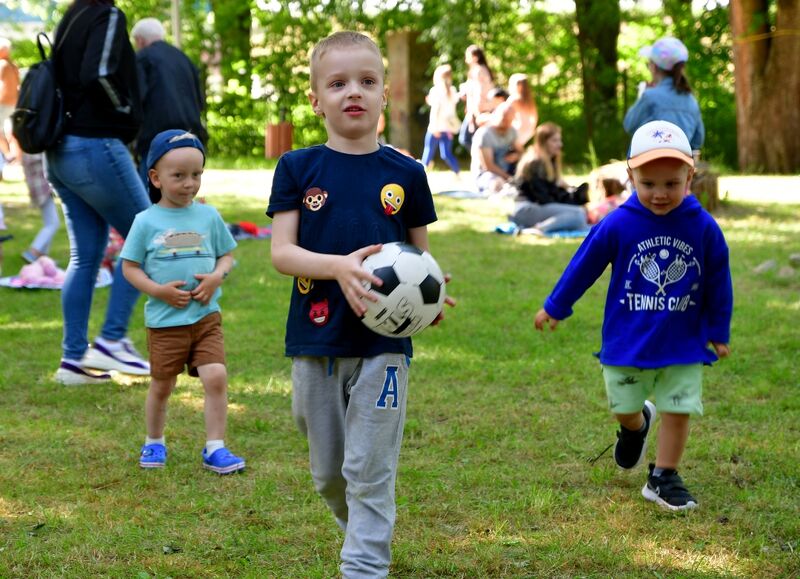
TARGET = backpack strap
x,y
39,43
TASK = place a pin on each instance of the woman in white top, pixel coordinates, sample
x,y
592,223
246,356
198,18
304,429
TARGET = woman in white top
x,y
475,90
444,122
526,115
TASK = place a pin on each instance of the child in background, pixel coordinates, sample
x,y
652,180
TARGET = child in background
x,y
614,195
41,195
333,205
669,298
443,122
178,252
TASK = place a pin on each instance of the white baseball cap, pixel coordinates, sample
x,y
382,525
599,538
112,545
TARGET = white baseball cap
x,y
666,53
656,140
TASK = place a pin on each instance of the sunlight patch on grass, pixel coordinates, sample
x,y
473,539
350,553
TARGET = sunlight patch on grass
x,y
722,562
10,510
273,385
41,325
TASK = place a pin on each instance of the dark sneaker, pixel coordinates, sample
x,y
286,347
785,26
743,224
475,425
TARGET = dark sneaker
x,y
668,491
631,446
153,456
126,359
71,374
222,461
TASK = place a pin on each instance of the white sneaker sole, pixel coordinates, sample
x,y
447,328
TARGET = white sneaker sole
x,y
68,378
650,495
99,361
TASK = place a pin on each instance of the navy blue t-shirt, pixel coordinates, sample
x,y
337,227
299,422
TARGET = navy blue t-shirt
x,y
346,202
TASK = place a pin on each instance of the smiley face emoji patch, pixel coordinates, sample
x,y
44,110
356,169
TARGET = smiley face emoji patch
x,y
392,197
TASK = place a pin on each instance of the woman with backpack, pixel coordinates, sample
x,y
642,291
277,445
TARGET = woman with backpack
x,y
94,175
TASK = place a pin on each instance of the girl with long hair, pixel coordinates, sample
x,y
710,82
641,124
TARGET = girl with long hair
x,y
443,122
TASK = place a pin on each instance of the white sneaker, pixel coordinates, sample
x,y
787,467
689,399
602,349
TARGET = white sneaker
x,y
72,374
126,360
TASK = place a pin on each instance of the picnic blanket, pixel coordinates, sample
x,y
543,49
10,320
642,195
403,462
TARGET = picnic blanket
x,y
460,194
45,274
248,230
511,228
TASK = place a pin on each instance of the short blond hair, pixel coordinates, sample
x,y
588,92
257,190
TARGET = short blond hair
x,y
343,39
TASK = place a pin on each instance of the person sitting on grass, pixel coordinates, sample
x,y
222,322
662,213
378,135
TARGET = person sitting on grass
x,y
544,201
494,151
669,298
178,252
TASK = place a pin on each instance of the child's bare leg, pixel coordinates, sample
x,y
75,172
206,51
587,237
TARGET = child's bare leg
x,y
672,437
632,422
215,382
155,408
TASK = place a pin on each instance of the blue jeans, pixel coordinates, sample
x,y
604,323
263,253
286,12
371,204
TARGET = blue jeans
x,y
550,217
99,187
445,143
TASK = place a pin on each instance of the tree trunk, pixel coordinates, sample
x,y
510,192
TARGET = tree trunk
x,y
598,29
767,84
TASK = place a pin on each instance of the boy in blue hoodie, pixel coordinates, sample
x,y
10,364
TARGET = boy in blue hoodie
x,y
670,297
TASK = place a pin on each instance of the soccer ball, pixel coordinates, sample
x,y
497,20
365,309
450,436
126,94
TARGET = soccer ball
x,y
412,294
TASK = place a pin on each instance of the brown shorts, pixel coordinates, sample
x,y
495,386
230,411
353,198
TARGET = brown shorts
x,y
172,349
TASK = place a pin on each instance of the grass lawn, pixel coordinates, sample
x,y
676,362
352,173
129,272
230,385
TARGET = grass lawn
x,y
496,478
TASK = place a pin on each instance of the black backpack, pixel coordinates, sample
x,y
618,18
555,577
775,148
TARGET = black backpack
x,y
39,117
38,120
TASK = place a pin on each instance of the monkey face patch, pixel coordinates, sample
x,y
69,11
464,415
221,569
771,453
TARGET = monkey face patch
x,y
315,198
392,197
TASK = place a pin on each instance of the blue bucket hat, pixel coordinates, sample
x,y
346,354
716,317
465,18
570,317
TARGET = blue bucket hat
x,y
163,143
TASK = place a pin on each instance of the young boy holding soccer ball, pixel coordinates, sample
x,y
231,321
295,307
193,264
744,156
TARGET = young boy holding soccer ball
x,y
670,297
333,205
178,252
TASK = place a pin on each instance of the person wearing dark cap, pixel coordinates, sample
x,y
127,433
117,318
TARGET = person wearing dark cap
x,y
668,97
178,252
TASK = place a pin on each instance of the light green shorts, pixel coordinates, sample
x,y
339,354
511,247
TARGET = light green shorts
x,y
677,389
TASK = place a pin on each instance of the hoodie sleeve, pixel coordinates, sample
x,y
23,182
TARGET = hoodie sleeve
x,y
103,54
588,264
718,294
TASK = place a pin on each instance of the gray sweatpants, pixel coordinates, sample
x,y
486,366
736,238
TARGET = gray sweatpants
x,y
353,410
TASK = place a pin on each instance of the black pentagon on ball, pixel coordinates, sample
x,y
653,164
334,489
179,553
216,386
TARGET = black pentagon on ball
x,y
408,248
430,289
389,279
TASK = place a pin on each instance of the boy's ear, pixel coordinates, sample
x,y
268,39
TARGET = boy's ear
x,y
152,174
385,96
689,177
630,174
312,98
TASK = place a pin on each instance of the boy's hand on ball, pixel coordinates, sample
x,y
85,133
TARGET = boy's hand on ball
x,y
542,318
351,277
173,296
447,300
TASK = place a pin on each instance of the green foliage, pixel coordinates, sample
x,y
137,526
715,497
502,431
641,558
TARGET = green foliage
x,y
517,35
236,126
